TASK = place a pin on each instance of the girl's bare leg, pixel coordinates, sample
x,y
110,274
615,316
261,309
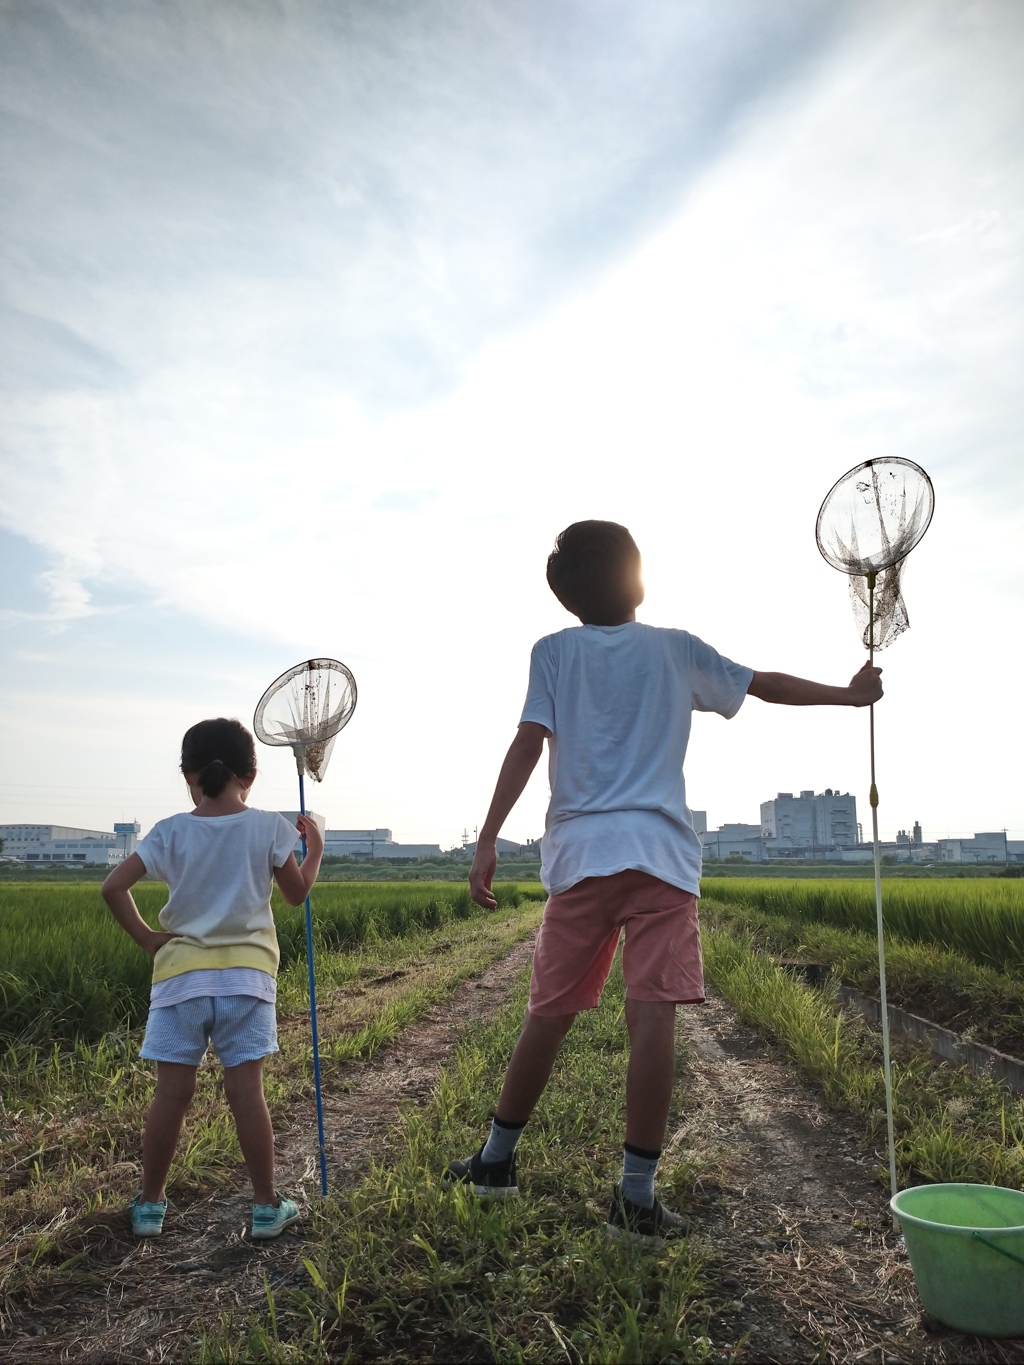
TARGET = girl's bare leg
x,y
243,1085
175,1086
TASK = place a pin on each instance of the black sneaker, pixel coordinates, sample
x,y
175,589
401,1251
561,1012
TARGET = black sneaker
x,y
487,1179
652,1226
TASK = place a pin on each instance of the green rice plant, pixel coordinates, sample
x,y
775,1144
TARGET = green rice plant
x,y
950,1124
982,919
67,970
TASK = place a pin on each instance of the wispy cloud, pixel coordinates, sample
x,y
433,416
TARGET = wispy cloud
x,y
360,192
325,319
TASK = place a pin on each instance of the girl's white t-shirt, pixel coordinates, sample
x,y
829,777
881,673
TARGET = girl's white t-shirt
x,y
220,875
618,702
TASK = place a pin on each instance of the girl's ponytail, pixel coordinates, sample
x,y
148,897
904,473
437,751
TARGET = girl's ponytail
x,y
214,777
216,751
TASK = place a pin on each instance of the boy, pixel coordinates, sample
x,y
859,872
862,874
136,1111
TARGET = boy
x,y
613,698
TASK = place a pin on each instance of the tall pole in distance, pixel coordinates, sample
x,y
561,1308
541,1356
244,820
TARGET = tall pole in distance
x,y
300,763
886,1060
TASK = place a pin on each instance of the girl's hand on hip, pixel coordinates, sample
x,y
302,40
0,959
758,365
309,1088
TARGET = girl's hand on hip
x,y
155,940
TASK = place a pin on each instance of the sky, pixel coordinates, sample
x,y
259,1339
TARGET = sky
x,y
318,323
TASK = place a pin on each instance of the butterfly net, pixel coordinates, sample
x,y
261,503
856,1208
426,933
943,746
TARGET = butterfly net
x,y
305,709
868,524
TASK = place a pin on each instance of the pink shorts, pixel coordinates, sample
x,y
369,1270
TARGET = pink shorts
x,y
580,932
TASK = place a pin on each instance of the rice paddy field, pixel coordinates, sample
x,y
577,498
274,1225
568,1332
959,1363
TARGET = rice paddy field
x,y
67,971
953,955
983,920
391,1264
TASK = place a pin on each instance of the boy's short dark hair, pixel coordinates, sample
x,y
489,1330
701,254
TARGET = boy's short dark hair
x,y
594,571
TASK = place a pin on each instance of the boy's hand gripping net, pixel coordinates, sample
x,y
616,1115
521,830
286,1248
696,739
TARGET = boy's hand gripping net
x,y
868,524
304,709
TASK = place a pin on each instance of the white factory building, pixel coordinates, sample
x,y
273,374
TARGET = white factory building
x,y
362,843
44,845
824,820
811,825
49,844
373,843
822,827
982,848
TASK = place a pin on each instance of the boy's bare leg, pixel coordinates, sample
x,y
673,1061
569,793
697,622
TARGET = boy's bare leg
x,y
651,1075
243,1085
175,1086
530,1065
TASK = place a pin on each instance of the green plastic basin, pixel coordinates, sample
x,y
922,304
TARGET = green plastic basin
x,y
966,1246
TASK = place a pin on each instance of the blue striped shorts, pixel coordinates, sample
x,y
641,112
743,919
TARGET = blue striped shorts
x,y
241,1028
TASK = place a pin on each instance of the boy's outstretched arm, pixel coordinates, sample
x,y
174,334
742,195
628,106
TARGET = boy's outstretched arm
x,y
520,761
864,689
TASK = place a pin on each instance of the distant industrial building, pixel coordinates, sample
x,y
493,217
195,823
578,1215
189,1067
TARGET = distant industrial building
x,y
982,848
733,840
373,843
811,825
363,843
822,827
824,821
48,844
507,848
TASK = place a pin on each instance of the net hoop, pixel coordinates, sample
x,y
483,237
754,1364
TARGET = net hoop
x,y
305,709
874,515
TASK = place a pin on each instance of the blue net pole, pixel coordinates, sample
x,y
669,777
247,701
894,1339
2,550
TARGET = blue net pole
x,y
879,919
312,1012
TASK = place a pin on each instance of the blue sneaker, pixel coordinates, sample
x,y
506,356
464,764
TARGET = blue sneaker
x,y
270,1220
147,1218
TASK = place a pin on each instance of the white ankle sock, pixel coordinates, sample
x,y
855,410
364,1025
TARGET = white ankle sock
x,y
638,1169
502,1141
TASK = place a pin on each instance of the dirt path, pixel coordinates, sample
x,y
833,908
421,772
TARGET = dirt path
x,y
796,1218
142,1300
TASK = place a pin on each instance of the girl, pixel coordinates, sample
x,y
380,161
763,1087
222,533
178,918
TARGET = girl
x,y
215,963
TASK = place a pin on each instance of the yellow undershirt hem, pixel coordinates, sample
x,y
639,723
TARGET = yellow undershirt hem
x,y
182,955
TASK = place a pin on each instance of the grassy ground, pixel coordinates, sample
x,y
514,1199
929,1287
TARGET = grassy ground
x,y
979,1002
71,1114
404,1266
950,1124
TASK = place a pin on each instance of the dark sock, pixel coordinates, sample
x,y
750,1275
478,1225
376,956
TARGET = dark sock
x,y
638,1168
502,1141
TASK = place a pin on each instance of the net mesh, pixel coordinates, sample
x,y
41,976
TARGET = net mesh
x,y
868,524
305,708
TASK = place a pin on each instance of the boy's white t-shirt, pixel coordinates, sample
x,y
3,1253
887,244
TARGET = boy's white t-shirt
x,y
220,874
618,701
